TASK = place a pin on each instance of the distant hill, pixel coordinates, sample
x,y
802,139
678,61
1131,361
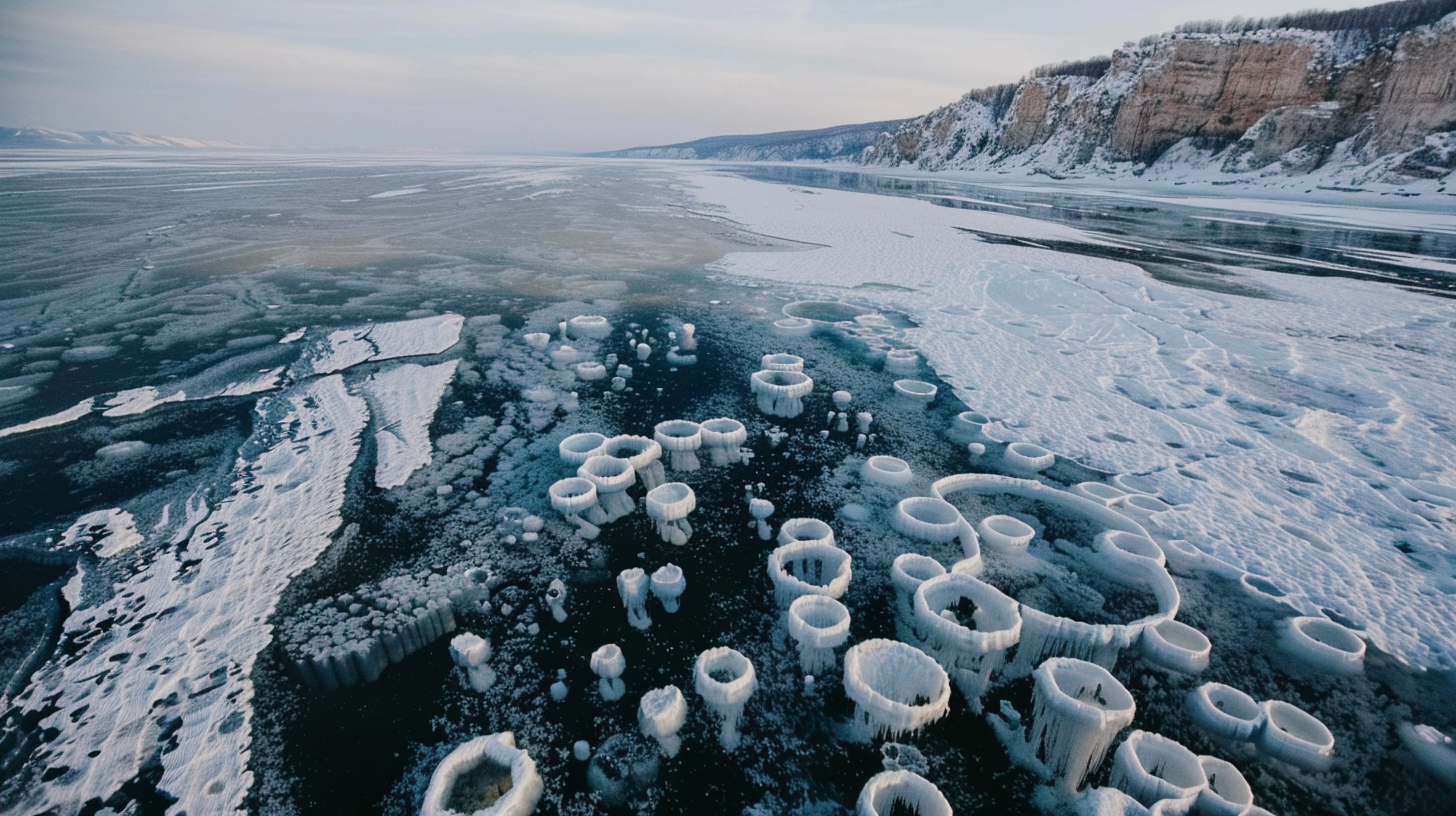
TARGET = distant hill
x,y
842,141
30,137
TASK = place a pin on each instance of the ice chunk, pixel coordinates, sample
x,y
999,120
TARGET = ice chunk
x,y
470,653
590,371
632,585
681,439
969,644
1151,768
723,437
661,715
71,414
896,689
1295,736
1079,709
725,679
404,400
819,625
893,792
669,505
594,327
902,361
781,393
345,348
611,476
914,392
608,663
643,454
668,585
1435,751
760,510
487,776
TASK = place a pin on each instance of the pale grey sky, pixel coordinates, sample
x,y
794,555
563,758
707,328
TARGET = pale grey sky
x,y
479,75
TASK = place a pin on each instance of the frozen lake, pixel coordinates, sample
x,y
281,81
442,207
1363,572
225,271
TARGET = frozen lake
x,y
272,424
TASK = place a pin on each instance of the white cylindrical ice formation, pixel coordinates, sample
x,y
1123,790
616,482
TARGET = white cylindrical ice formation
x,y
1227,792
1079,708
760,510
574,496
579,447
1295,736
470,653
782,362
886,470
793,327
537,340
1435,751
487,776
902,361
1119,544
632,585
967,426
895,792
612,477
725,679
594,327
669,505
1100,492
687,337
723,437
1025,457
1176,646
591,371
781,393
608,663
681,439
643,352
969,644
661,715
1150,768
644,454
915,392
819,625
907,573
841,400
1005,534
556,600
810,566
1323,644
896,689
927,518
668,585
1225,712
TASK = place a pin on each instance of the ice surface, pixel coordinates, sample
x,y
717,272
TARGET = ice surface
x,y
344,348
498,752
1215,397
403,400
107,532
71,414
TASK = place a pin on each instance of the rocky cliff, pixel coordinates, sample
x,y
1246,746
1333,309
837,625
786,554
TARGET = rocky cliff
x,y
1361,94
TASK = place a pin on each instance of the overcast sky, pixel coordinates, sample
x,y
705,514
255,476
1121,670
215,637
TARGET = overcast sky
x,y
478,75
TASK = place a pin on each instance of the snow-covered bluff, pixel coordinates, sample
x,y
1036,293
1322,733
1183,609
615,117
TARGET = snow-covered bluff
x,y
1286,100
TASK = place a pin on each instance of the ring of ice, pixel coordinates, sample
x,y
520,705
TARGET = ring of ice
x,y
781,393
573,496
887,470
1151,767
916,392
896,689
1005,534
612,477
782,362
1227,793
661,715
936,520
591,371
1295,736
1176,646
1141,503
537,340
594,327
1118,544
970,654
968,425
907,572
1323,644
725,679
893,792
487,776
1029,458
681,439
633,585
793,327
669,505
1045,635
579,447
1225,712
902,361
819,625
608,663
1435,751
668,585
723,437
1098,491
808,567
1078,709
644,454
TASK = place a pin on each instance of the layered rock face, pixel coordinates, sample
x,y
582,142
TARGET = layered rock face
x,y
1288,99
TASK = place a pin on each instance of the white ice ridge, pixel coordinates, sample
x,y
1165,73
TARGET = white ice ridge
x,y
192,624
463,780
344,348
71,414
1291,432
107,532
403,400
